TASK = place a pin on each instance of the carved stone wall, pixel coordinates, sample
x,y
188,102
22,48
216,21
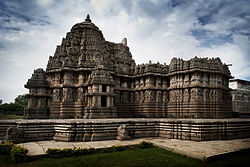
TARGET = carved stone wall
x,y
240,97
89,77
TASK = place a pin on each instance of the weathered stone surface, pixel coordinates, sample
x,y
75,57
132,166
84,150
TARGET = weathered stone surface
x,y
199,150
89,77
240,97
122,133
109,129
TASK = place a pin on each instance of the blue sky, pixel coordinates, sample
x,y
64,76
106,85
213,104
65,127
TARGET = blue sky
x,y
157,30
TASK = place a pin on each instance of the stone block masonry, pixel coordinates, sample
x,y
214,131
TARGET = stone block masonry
x,y
76,130
90,78
240,97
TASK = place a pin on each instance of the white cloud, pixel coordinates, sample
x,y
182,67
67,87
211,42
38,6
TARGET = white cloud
x,y
45,2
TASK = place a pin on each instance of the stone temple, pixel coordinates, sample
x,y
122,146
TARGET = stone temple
x,y
89,77
93,90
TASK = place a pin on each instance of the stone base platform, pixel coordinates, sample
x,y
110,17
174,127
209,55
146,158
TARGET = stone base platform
x,y
205,150
77,130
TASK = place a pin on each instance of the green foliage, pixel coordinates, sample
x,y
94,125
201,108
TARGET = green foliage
x,y
115,149
19,154
6,148
68,152
16,108
22,100
145,144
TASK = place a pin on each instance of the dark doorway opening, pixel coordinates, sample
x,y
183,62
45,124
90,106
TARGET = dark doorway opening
x,y
104,88
103,101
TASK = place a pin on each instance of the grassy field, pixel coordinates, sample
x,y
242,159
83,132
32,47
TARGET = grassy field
x,y
153,156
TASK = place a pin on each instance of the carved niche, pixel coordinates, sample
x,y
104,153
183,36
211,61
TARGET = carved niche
x,y
173,81
186,79
206,95
165,97
57,78
67,94
137,97
147,96
159,96
125,96
132,97
141,97
152,96
179,95
193,95
186,96
117,97
80,94
196,95
68,78
195,78
56,94
41,103
205,79
173,96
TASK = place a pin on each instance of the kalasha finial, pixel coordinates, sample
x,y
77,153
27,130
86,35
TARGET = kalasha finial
x,y
88,18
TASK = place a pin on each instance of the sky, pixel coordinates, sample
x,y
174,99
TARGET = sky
x,y
157,30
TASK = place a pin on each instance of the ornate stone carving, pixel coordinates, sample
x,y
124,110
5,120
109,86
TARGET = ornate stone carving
x,y
137,97
186,96
141,97
122,133
85,63
14,134
125,97
186,79
159,96
56,94
80,95
68,94
165,96
206,95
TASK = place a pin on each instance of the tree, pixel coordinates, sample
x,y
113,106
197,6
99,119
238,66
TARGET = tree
x,y
22,99
16,108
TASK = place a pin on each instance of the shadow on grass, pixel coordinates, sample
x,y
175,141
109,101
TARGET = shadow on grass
x,y
148,157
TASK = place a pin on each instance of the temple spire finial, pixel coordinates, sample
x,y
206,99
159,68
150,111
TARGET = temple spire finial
x,y
88,18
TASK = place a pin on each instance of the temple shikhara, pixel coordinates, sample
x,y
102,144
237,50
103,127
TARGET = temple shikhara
x,y
89,77
93,90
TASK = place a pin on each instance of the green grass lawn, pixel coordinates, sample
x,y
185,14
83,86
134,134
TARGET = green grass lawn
x,y
132,157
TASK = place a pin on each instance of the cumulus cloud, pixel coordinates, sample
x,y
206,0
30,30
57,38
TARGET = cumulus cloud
x,y
157,30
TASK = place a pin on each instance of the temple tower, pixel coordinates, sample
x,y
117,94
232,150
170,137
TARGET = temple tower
x,y
100,96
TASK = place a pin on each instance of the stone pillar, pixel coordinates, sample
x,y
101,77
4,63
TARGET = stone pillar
x,y
108,101
158,82
164,83
94,100
112,101
90,90
141,82
80,78
95,88
99,101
